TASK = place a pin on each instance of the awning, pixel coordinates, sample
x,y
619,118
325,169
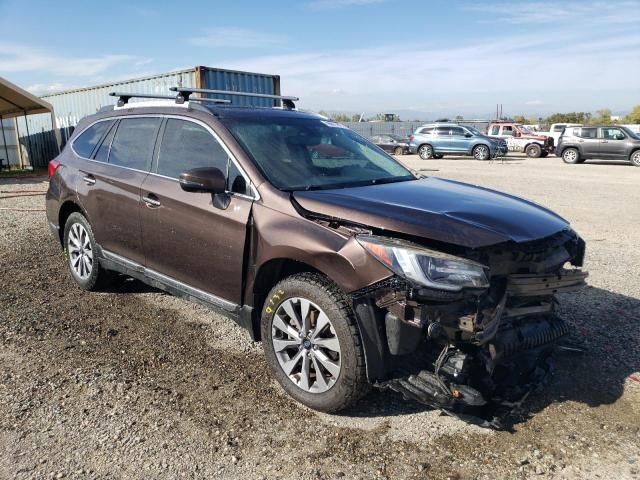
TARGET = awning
x,y
16,102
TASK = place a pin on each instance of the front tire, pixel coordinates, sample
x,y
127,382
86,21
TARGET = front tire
x,y
80,249
533,151
312,343
398,151
425,152
571,156
481,152
635,158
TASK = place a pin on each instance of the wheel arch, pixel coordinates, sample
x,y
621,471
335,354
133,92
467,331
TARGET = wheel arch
x,y
66,209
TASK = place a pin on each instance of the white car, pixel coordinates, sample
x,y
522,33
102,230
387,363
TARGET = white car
x,y
556,129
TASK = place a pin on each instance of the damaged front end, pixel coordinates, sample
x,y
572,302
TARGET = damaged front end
x,y
470,333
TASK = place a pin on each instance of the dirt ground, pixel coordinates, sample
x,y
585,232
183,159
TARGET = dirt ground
x,y
134,383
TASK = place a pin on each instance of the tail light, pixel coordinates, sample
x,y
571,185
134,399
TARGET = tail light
x,y
411,138
52,167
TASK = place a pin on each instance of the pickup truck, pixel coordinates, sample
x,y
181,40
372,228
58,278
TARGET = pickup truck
x,y
520,139
556,129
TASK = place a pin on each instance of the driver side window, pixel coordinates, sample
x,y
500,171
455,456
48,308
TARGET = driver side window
x,y
186,145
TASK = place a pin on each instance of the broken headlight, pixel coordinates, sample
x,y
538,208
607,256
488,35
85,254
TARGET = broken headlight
x,y
424,266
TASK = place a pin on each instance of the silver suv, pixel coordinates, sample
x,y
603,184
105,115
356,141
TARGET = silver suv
x,y
607,142
435,140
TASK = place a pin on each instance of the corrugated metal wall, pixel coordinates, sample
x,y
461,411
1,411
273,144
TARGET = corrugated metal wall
x,y
72,105
8,155
217,79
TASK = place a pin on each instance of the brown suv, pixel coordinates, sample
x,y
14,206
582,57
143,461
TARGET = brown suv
x,y
349,267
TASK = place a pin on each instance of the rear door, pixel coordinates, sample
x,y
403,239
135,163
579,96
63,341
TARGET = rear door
x,y
589,142
109,184
442,139
613,143
185,236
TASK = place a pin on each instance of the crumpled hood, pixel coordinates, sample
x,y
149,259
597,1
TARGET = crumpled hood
x,y
437,209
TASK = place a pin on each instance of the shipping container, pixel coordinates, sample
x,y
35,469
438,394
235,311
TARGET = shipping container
x,y
72,105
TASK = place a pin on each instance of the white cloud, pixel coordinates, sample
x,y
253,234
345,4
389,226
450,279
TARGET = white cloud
x,y
471,77
333,4
16,58
534,102
47,88
558,13
234,37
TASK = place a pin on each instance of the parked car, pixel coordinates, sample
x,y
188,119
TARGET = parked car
x,y
607,142
519,139
350,269
556,129
392,143
438,139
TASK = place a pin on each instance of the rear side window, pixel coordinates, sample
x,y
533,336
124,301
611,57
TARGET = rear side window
x,y
102,154
186,145
588,132
426,131
133,144
87,140
442,130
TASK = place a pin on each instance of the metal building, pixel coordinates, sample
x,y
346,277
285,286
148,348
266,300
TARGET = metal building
x,y
70,106
15,104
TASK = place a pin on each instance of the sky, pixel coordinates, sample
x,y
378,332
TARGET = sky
x,y
421,58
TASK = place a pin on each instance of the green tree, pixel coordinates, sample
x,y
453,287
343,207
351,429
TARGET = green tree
x,y
603,116
519,119
355,117
634,115
459,118
341,117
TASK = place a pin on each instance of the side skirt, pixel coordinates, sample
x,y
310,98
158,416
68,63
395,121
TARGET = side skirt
x,y
239,314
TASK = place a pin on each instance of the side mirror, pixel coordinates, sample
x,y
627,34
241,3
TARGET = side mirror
x,y
468,135
619,136
205,179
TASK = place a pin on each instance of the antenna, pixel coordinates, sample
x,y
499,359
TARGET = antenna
x,y
287,102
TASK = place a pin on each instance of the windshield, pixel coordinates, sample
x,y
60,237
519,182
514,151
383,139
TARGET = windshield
x,y
297,153
524,129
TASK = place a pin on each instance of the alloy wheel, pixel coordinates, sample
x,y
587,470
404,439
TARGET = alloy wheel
x,y
425,152
80,251
570,156
635,158
306,345
481,152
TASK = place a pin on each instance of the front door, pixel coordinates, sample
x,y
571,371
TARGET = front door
x,y
185,236
459,143
109,186
613,143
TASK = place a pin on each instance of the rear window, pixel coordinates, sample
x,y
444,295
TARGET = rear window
x,y
133,144
426,131
87,140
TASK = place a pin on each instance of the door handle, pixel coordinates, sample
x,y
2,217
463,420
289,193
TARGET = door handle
x,y
89,179
151,200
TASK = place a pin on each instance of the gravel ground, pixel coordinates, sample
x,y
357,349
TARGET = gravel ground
x,y
133,383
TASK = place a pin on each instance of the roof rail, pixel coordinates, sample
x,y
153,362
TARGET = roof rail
x,y
185,92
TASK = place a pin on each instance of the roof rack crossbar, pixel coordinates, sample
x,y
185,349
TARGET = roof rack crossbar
x,y
213,100
125,97
185,92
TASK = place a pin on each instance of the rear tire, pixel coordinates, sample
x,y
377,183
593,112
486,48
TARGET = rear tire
x,y
398,151
425,152
635,158
571,156
80,249
533,151
481,152
299,304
